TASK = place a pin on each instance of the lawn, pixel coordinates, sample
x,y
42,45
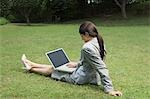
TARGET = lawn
x,y
128,59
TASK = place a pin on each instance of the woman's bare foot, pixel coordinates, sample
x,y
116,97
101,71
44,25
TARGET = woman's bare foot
x,y
24,61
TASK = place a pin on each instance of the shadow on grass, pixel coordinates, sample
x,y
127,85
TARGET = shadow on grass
x,y
32,24
90,86
115,21
99,21
95,87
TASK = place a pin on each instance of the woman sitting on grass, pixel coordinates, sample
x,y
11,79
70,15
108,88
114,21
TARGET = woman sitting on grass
x,y
91,67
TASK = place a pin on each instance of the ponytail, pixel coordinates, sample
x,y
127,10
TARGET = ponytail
x,y
101,46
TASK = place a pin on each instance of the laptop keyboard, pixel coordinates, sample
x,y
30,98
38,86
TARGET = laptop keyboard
x,y
65,68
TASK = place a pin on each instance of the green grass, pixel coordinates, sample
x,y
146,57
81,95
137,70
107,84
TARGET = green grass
x,y
128,59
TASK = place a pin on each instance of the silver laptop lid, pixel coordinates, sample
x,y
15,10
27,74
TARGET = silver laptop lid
x,y
57,57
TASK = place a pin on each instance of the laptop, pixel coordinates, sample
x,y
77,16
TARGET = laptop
x,y
59,59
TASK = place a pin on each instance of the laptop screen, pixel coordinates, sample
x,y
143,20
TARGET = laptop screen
x,y
58,58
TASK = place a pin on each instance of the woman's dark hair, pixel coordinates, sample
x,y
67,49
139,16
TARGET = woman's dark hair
x,y
90,28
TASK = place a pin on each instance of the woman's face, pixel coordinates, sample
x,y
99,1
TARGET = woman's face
x,y
85,37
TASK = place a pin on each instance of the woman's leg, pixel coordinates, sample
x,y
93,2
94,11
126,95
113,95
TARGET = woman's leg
x,y
36,65
40,68
37,68
44,71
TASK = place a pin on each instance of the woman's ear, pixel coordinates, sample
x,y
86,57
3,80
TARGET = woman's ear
x,y
86,34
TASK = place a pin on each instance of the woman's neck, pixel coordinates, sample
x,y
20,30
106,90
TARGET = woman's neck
x,y
89,39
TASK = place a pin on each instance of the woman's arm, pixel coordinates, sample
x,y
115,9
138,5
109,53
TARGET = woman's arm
x,y
72,64
96,62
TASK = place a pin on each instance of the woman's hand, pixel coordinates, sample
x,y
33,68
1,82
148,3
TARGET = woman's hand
x,y
72,64
115,93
